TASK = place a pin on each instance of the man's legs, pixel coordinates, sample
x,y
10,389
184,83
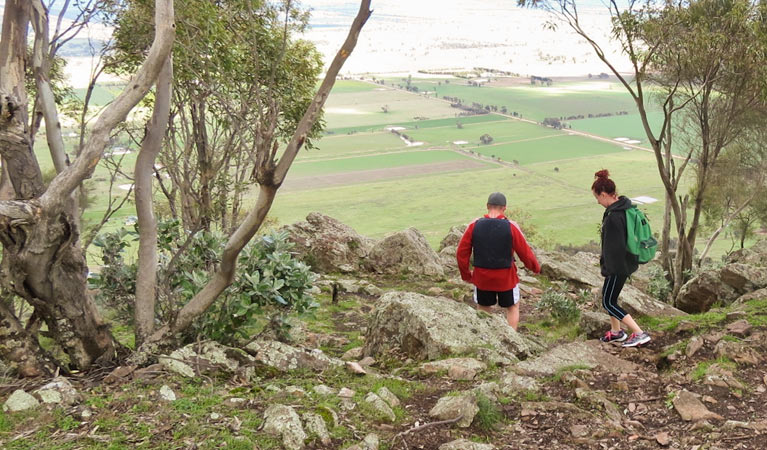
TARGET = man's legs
x,y
512,316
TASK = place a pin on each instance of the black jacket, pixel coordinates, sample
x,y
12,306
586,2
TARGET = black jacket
x,y
615,258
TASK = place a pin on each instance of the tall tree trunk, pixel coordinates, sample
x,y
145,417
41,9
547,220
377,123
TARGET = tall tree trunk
x,y
146,278
270,177
45,264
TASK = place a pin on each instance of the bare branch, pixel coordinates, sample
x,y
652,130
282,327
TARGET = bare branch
x,y
66,182
41,66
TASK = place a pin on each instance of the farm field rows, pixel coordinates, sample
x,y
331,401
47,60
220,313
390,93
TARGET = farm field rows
x,y
434,172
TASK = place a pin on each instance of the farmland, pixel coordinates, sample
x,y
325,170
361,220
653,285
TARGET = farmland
x,y
391,159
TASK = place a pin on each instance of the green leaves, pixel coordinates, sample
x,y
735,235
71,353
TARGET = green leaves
x,y
269,284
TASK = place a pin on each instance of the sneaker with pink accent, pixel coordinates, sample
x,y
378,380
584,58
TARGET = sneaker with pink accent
x,y
614,336
637,339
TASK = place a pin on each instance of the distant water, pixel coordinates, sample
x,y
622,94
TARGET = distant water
x,y
339,13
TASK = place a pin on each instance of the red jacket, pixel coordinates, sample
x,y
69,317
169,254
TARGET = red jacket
x,y
495,279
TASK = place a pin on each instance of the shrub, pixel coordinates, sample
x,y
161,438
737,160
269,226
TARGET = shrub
x,y
562,309
658,286
269,282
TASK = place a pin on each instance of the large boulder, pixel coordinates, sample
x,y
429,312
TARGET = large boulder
x,y
284,357
756,255
723,285
587,354
452,238
430,328
328,245
405,252
637,303
581,269
208,358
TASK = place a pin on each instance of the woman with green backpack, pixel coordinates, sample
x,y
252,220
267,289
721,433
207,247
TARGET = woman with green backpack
x,y
616,262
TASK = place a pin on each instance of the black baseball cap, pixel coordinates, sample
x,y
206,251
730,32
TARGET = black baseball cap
x,y
497,199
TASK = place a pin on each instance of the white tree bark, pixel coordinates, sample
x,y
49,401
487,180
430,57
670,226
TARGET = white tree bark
x,y
267,190
146,278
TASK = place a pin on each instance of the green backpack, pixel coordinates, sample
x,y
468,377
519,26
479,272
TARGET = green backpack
x,y
640,241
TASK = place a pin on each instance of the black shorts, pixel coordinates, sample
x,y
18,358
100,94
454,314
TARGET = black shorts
x,y
504,299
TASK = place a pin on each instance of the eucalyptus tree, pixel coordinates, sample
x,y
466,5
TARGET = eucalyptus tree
x,y
43,263
279,122
235,61
701,61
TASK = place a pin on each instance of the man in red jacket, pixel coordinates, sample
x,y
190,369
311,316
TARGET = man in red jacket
x,y
494,239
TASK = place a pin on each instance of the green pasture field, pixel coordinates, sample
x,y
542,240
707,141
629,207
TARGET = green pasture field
x,y
548,148
351,86
559,203
536,102
352,164
419,124
102,94
502,131
347,145
629,126
363,109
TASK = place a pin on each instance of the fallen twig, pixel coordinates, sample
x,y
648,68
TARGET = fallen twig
x,y
738,438
431,424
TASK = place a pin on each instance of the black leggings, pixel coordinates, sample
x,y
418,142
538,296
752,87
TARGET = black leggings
x,y
610,291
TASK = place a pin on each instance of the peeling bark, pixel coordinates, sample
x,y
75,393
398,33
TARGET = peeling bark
x,y
45,263
19,349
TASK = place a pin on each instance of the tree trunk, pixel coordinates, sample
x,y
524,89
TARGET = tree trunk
x,y
45,265
146,278
19,349
270,177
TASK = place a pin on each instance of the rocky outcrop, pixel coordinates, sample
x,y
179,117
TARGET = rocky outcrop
x,y
638,304
756,255
429,328
283,421
328,245
587,354
283,357
207,358
582,270
723,285
593,324
405,252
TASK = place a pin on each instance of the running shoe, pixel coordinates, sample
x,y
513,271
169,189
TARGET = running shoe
x,y
614,336
637,339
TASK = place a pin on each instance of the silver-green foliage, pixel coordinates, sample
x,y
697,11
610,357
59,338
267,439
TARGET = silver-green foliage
x,y
562,308
659,285
269,282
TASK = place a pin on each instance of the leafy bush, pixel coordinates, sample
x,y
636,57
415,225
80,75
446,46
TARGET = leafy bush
x,y
269,282
562,308
659,286
116,282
